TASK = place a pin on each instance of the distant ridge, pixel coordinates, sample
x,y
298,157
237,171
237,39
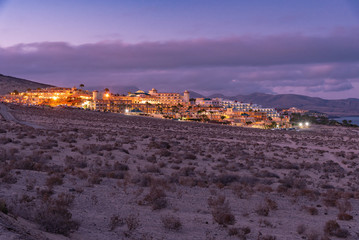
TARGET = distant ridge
x,y
339,107
9,84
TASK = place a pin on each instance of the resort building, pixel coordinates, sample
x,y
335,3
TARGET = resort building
x,y
156,104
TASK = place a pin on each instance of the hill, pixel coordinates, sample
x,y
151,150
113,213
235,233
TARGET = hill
x,y
338,107
9,84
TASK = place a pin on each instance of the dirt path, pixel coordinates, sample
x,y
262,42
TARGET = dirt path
x,y
4,111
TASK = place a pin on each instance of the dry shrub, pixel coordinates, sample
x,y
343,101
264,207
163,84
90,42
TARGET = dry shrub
x,y
331,197
226,179
116,221
80,174
301,229
332,228
164,153
189,156
221,211
312,235
3,207
345,216
312,210
171,222
44,193
266,237
94,179
8,177
343,206
264,208
157,198
120,166
241,233
132,222
64,199
56,219
54,180
142,180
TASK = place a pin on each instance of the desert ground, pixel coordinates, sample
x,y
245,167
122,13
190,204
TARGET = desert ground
x,y
89,175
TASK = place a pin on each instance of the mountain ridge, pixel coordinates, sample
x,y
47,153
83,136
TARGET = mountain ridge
x,y
9,84
332,107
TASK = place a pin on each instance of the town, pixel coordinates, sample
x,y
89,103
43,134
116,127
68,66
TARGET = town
x,y
158,104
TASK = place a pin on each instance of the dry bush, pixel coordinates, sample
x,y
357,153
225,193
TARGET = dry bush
x,y
78,162
151,169
164,153
156,198
189,156
44,193
3,207
48,144
80,174
8,177
54,180
115,222
95,178
28,164
312,235
345,216
343,206
264,208
143,180
241,233
120,167
301,229
171,222
332,228
221,211
56,218
312,210
331,197
226,179
293,181
266,223
64,199
266,237
132,222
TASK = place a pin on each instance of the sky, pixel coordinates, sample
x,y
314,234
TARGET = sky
x,y
208,46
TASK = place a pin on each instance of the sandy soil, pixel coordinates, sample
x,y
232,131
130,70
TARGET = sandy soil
x,y
91,175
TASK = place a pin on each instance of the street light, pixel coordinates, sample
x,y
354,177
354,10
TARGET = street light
x,y
300,124
307,124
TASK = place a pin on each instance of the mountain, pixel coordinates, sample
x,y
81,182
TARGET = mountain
x,y
9,84
193,94
340,107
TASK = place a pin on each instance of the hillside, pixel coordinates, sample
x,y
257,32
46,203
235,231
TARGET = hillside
x,y
92,175
340,107
9,84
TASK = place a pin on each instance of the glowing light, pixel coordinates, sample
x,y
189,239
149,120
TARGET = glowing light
x,y
126,111
55,98
107,95
300,124
307,124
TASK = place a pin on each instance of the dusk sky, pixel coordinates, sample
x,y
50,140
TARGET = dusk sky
x,y
308,47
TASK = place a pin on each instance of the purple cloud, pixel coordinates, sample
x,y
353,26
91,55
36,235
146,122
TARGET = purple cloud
x,y
231,66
